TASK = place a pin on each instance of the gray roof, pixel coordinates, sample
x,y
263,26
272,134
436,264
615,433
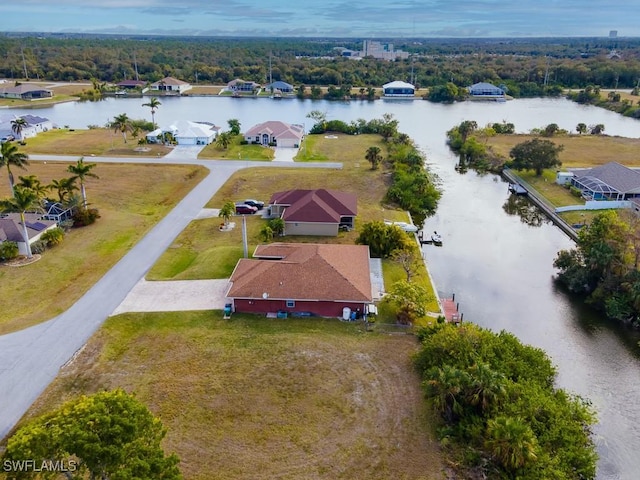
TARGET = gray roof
x,y
621,178
11,226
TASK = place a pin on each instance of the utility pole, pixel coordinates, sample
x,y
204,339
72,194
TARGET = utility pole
x,y
245,246
24,64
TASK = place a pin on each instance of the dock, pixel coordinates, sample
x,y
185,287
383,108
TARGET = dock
x,y
451,309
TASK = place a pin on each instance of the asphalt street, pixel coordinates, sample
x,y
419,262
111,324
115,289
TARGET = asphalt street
x,y
30,358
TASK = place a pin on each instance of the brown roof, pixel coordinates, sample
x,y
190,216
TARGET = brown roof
x,y
319,205
276,129
304,271
170,81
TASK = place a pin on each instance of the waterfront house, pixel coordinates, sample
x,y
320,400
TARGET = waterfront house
x,y
25,92
185,132
302,279
314,212
275,134
279,86
170,85
242,86
398,89
486,91
611,181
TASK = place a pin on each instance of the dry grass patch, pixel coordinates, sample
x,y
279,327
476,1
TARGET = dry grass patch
x,y
204,90
579,150
131,199
253,398
95,141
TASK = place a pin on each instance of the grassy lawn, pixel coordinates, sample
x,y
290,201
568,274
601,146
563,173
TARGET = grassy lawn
x,y
392,273
256,398
201,251
96,141
546,186
579,150
131,199
235,151
580,217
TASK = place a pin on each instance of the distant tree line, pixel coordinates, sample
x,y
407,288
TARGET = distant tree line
x,y
527,68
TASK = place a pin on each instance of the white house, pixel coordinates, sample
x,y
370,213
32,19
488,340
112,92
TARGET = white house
x,y
486,91
34,125
187,133
398,89
170,85
11,229
275,133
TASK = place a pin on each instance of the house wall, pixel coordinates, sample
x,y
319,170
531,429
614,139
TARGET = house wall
x,y
318,308
307,228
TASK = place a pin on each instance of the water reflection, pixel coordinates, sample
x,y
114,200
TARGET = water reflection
x,y
521,206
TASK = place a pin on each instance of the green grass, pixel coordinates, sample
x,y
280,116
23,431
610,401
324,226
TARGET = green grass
x,y
236,151
546,186
265,398
392,272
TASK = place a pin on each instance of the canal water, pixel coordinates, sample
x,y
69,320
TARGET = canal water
x,y
498,264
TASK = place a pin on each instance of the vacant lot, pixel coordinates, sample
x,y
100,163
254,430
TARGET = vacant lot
x,y
95,141
131,199
579,150
256,398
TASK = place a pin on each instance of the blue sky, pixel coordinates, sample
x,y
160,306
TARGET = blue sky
x,y
335,18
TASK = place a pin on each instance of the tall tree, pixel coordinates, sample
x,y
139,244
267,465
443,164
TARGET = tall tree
x,y
108,435
122,123
410,301
81,171
23,199
535,155
17,125
227,211
223,140
511,442
9,155
153,104
64,188
373,157
34,183
234,126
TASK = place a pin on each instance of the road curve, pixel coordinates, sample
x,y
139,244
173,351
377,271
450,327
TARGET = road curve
x,y
30,358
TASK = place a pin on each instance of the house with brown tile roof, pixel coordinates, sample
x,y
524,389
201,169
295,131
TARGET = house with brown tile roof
x,y
302,279
170,85
314,212
11,229
275,133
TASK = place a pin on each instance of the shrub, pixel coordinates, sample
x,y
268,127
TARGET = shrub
x,y
53,237
38,247
8,251
575,191
85,216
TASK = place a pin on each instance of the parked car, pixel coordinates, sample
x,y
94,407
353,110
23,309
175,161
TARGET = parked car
x,y
244,209
254,203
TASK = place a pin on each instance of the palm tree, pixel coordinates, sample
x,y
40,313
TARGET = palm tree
x,y
34,183
234,126
81,171
511,442
9,155
17,125
121,123
487,387
446,386
224,139
23,199
153,104
373,157
64,187
227,210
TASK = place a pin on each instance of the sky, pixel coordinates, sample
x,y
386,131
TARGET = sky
x,y
326,18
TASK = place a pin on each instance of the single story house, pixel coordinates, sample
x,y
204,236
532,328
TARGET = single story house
x,y
487,91
34,125
186,133
314,212
242,86
131,84
275,133
302,279
170,85
279,85
11,229
25,92
611,181
398,89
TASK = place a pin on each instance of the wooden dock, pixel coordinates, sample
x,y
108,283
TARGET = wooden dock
x,y
451,309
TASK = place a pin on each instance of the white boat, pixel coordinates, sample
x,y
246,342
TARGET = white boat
x,y
436,238
407,227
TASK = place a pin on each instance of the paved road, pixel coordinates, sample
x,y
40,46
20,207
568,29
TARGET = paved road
x,y
30,359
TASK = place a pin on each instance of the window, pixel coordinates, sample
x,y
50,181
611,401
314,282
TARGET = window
x,y
291,303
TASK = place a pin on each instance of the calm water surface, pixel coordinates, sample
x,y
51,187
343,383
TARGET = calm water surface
x,y
499,267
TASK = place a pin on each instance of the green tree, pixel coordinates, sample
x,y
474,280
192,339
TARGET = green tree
x,y
319,117
511,442
410,301
34,183
266,233
17,126
277,225
224,140
122,123
153,104
64,187
373,157
23,199
227,211
581,128
382,239
445,387
234,126
550,130
110,435
596,129
81,171
9,155
535,155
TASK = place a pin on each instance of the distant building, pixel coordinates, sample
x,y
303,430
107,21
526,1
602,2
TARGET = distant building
x,y
130,84
613,34
398,89
384,51
242,86
25,92
170,85
187,133
279,86
486,91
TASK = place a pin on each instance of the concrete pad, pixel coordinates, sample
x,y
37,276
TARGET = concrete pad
x,y
175,296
